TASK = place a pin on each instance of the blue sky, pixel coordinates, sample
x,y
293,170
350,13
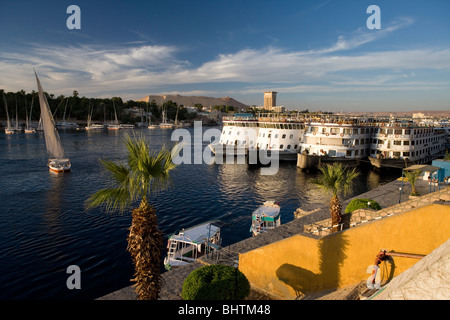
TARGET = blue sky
x,y
316,54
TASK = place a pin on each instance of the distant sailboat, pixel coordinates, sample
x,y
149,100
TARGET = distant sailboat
x,y
17,128
64,123
57,161
90,124
115,125
164,124
28,127
9,129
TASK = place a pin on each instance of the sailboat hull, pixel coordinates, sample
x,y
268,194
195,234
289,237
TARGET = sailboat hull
x,y
59,165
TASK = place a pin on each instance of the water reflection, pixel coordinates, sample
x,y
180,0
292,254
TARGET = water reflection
x,y
54,202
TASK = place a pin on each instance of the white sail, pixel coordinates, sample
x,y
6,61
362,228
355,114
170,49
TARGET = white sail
x,y
8,123
52,140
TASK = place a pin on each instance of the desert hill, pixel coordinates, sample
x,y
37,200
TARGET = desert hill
x,y
190,101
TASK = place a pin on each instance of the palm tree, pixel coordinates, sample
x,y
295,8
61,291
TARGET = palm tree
x,y
412,177
336,179
146,172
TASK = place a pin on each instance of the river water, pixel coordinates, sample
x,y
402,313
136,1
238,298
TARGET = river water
x,y
44,227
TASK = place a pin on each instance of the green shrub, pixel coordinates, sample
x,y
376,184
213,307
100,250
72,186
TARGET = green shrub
x,y
356,204
216,282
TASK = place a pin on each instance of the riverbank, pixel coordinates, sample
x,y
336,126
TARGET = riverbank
x,y
386,195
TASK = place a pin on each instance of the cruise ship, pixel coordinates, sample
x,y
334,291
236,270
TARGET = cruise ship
x,y
402,143
334,138
329,138
244,132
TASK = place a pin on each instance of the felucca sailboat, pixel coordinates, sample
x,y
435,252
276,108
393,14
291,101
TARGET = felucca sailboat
x,y
57,161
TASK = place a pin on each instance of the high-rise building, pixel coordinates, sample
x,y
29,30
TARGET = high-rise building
x,y
270,99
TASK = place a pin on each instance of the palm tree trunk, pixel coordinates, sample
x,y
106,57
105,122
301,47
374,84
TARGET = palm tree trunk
x,y
144,244
335,210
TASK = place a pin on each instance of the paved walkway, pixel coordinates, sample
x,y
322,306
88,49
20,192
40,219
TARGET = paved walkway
x,y
386,195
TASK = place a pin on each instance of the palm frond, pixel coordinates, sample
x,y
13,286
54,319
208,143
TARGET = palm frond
x,y
335,178
119,172
113,199
147,172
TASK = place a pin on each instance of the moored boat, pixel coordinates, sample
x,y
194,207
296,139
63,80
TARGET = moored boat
x,y
265,217
400,144
190,244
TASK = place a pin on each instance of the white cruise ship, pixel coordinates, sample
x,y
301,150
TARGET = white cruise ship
x,y
334,139
399,144
329,138
272,132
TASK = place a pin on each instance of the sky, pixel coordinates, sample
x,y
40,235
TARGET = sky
x,y
317,54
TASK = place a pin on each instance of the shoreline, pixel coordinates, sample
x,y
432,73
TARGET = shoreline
x,y
386,195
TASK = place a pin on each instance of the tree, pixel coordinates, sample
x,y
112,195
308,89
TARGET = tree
x,y
336,179
145,172
412,177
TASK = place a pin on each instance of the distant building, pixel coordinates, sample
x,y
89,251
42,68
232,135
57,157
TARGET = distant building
x,y
270,102
270,99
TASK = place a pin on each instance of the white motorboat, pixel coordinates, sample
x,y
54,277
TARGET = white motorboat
x,y
190,244
265,217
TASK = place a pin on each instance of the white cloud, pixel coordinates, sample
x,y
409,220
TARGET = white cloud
x,y
97,71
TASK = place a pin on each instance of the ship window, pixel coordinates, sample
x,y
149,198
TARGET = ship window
x,y
229,132
398,131
291,136
238,133
223,132
349,153
264,135
251,142
283,136
406,143
274,146
289,146
406,154
268,136
281,146
397,143
295,147
276,135
356,152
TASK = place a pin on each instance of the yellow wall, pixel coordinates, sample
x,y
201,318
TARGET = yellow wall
x,y
291,267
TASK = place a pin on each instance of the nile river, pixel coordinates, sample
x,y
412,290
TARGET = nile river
x,y
44,227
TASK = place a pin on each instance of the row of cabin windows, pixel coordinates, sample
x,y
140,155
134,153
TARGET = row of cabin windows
x,y
346,131
403,131
287,126
263,135
408,142
283,136
259,145
407,153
